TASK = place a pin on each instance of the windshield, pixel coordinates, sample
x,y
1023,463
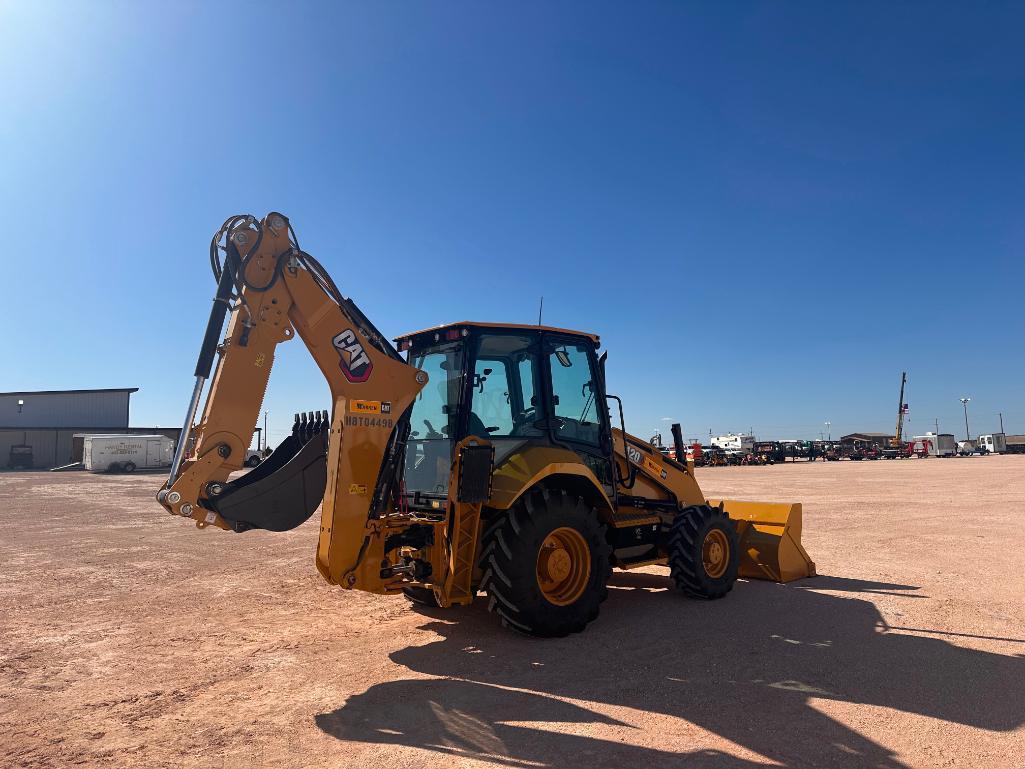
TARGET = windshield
x,y
432,421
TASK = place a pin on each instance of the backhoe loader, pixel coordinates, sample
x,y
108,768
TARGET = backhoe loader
x,y
462,459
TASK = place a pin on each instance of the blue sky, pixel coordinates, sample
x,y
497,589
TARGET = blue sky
x,y
767,210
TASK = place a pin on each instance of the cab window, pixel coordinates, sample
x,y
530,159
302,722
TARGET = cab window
x,y
432,421
574,394
505,377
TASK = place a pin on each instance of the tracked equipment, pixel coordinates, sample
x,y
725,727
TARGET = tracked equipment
x,y
466,458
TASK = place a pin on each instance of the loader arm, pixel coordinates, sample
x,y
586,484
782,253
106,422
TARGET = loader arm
x,y
769,533
272,291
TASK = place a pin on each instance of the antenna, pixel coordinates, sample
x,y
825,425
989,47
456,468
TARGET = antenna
x,y
540,309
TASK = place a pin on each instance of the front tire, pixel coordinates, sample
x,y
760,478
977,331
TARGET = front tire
x,y
704,554
546,563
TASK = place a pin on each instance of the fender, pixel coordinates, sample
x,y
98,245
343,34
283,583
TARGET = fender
x,y
525,469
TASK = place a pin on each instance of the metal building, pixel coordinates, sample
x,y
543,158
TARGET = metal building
x,y
882,440
42,424
107,409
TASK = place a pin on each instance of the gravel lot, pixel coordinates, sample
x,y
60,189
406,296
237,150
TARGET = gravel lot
x,y
128,638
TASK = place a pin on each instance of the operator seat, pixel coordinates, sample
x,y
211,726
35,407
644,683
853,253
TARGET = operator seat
x,y
476,426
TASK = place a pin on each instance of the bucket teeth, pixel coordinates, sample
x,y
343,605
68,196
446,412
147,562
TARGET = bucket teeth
x,y
310,423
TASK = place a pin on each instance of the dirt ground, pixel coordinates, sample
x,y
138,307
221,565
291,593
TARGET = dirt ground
x,y
130,639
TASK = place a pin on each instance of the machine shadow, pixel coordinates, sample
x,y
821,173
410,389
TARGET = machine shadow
x,y
746,668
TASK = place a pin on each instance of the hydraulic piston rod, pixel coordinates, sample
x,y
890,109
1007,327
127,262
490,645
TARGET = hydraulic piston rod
x,y
183,438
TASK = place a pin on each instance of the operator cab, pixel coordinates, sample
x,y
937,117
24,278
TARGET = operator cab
x,y
510,385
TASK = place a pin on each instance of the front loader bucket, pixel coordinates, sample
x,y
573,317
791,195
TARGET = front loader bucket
x,y
770,540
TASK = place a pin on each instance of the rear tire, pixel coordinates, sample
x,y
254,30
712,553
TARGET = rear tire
x,y
704,553
546,563
128,467
252,461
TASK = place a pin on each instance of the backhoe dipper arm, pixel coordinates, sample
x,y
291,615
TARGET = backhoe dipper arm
x,y
273,291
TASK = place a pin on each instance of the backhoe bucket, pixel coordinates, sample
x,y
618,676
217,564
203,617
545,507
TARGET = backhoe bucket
x,y
282,492
770,540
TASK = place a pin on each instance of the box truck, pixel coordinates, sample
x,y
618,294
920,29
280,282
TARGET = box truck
x,y
125,453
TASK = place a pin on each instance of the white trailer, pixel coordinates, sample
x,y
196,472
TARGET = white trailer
x,y
735,443
942,445
125,453
995,443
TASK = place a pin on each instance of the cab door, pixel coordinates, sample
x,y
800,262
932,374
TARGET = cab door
x,y
579,416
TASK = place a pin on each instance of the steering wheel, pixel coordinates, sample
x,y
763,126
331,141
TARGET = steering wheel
x,y
524,418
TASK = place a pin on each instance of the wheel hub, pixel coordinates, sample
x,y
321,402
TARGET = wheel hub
x,y
556,564
563,566
715,553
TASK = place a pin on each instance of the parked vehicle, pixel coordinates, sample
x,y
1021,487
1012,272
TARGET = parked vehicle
x,y
860,450
714,456
772,451
994,443
919,447
253,458
940,445
20,457
125,453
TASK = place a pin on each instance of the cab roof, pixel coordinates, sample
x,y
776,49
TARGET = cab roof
x,y
498,326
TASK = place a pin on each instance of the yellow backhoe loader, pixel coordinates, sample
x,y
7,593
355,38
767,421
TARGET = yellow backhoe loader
x,y
465,458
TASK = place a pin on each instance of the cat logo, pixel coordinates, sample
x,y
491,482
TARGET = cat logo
x,y
352,358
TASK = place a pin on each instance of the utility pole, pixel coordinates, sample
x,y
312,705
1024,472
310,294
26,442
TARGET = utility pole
x,y
264,431
1001,415
964,402
828,432
937,426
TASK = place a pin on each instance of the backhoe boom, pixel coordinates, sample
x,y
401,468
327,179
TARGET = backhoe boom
x,y
282,292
